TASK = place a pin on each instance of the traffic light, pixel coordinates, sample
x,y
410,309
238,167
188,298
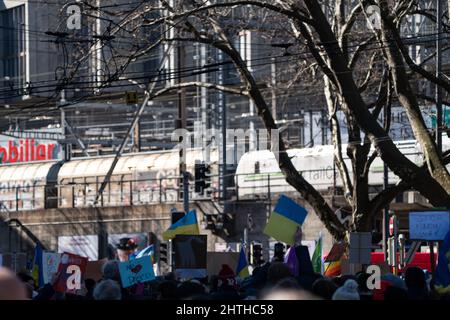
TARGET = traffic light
x,y
163,252
200,177
256,253
279,252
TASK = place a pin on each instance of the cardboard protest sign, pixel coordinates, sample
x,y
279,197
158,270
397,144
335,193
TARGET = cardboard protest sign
x,y
215,260
190,256
429,225
136,271
71,270
50,263
94,269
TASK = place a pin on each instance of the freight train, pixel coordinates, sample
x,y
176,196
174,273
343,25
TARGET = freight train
x,y
152,177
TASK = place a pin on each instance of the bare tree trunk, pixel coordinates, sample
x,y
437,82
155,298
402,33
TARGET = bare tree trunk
x,y
409,101
396,161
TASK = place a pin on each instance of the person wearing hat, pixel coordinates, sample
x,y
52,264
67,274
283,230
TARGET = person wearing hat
x,y
349,291
125,247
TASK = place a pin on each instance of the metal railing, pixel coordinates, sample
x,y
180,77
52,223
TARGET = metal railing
x,y
130,192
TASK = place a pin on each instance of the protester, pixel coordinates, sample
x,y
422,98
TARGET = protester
x,y
349,291
324,288
277,271
189,289
416,283
167,290
107,290
11,288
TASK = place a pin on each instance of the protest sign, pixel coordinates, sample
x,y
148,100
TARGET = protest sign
x,y
71,270
50,263
83,246
136,271
215,260
190,256
94,269
429,225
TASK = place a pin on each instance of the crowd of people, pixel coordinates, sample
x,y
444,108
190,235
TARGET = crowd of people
x,y
271,281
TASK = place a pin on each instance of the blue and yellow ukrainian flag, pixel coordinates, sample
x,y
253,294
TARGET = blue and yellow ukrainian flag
x,y
37,271
285,219
242,267
186,225
442,285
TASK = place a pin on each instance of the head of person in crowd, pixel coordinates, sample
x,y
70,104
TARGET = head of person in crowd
x,y
11,287
415,278
107,290
288,289
394,280
90,285
125,247
259,276
167,290
349,291
188,289
277,271
226,280
110,270
306,280
416,283
324,288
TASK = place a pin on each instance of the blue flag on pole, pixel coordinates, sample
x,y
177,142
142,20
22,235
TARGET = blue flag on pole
x,y
37,271
443,268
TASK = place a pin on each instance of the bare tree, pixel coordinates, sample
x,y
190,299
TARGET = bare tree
x,y
362,73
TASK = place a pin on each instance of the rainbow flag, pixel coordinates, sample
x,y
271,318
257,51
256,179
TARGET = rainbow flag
x,y
333,269
186,225
285,219
242,267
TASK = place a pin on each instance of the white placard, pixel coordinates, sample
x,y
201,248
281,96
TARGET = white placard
x,y
84,246
429,225
50,262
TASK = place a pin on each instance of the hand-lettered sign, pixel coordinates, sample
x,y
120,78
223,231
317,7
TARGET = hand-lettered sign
x,y
429,225
71,270
50,263
136,271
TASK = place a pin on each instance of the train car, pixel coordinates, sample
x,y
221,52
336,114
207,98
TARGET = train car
x,y
139,178
27,186
258,172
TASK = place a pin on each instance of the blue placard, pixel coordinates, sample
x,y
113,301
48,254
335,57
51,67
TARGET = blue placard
x,y
136,271
429,225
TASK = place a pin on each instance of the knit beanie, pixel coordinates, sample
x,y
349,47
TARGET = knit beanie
x,y
227,277
349,291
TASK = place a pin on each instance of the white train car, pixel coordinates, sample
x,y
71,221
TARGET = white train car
x,y
258,172
26,186
139,178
